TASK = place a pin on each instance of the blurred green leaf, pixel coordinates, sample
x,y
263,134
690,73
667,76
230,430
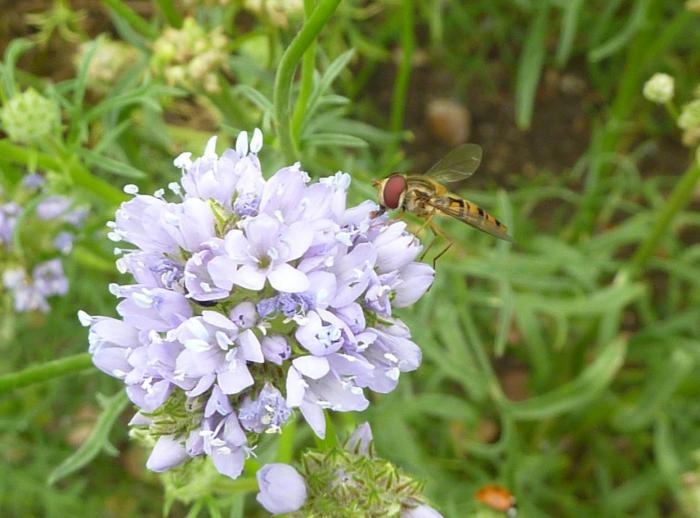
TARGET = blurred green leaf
x,y
584,389
96,442
530,66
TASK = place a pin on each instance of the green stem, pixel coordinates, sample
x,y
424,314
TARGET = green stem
x,y
680,196
403,77
80,176
307,79
45,372
132,18
240,485
285,74
170,12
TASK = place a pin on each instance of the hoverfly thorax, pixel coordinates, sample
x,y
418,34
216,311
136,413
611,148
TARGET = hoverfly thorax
x,y
392,191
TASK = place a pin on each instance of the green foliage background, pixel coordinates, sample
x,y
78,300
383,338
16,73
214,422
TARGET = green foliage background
x,y
562,366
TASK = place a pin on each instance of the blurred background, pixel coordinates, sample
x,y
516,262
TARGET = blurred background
x,y
562,366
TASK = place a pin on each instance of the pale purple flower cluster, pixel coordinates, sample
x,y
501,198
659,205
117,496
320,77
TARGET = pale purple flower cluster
x,y
252,298
30,293
31,285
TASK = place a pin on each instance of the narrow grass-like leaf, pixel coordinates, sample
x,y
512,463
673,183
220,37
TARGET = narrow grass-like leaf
x,y
530,66
14,50
569,27
657,392
98,439
578,392
323,85
113,166
255,97
335,140
621,38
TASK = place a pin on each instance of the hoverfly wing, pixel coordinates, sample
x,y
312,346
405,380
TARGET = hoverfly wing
x,y
458,164
471,214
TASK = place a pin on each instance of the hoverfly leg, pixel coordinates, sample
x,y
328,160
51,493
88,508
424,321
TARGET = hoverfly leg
x,y
430,245
425,224
441,253
437,232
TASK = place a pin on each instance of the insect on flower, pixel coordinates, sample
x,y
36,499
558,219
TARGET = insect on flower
x,y
426,196
497,498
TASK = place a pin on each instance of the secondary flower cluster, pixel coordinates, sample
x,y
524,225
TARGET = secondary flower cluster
x,y
52,225
343,483
29,117
190,55
109,60
253,298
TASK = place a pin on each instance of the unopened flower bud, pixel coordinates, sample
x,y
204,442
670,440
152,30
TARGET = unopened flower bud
x,y
275,349
659,88
29,117
690,116
282,488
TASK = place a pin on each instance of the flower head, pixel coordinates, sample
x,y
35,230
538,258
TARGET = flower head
x,y
29,117
253,298
191,55
659,89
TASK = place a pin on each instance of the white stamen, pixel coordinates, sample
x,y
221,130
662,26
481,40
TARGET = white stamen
x,y
242,143
256,142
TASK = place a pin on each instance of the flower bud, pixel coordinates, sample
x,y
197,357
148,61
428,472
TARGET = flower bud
x,y
659,88
342,479
276,349
422,511
282,488
29,117
690,116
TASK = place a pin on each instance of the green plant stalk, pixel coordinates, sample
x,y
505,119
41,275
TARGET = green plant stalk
x,y
403,77
240,485
679,198
132,18
80,176
170,12
45,372
307,79
285,74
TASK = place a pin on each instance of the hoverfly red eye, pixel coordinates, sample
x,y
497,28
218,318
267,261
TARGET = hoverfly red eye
x,y
393,189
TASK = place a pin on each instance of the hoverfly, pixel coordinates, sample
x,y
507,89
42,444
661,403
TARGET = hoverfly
x,y
426,196
497,498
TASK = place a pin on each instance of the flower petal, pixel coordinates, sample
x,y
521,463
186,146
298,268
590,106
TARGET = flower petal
x,y
288,279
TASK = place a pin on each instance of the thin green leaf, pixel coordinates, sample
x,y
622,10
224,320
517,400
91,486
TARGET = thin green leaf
x,y
113,166
254,96
113,407
569,27
14,50
578,392
530,66
621,38
335,140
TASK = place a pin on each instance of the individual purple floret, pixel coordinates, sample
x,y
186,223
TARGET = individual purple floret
x,y
252,298
9,212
